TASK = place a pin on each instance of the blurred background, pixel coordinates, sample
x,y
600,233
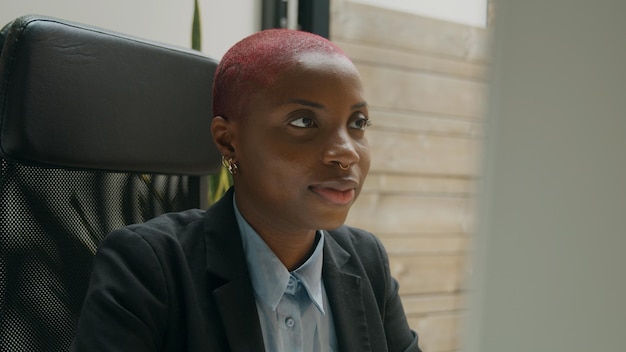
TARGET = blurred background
x,y
423,64
497,175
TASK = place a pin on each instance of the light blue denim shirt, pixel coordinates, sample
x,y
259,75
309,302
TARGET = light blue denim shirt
x,y
293,307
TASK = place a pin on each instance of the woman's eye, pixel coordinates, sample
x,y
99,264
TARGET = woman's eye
x,y
361,123
302,122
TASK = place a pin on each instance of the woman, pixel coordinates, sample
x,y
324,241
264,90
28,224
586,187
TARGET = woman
x,y
270,266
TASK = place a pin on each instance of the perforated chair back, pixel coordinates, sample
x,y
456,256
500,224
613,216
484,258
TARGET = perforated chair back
x,y
97,130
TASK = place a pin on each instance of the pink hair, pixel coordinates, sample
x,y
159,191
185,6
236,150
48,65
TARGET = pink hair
x,y
256,61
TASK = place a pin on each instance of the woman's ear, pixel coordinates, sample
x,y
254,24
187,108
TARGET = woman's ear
x,y
223,132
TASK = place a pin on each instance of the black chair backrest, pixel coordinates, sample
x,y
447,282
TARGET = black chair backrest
x,y
97,130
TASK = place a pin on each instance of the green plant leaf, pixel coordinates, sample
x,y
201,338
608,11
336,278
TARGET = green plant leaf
x,y
196,33
218,183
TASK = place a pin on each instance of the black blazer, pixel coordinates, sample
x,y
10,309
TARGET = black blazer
x,y
180,282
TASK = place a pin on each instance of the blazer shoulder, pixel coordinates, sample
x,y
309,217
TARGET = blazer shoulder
x,y
170,224
171,230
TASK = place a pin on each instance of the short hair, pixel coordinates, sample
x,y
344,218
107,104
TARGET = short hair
x,y
256,62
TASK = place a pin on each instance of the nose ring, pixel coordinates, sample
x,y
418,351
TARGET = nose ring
x,y
343,167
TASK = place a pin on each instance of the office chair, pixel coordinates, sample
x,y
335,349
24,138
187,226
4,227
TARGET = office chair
x,y
97,130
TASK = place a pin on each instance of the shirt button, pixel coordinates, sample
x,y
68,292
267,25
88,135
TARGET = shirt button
x,y
289,322
292,286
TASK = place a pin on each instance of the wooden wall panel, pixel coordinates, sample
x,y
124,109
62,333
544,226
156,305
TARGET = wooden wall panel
x,y
356,22
394,88
421,153
415,61
424,185
427,274
411,121
409,214
436,303
439,332
424,80
422,245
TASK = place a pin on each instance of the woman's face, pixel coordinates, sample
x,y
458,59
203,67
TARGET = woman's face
x,y
293,143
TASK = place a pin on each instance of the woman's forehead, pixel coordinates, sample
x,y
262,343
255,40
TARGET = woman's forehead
x,y
317,83
256,62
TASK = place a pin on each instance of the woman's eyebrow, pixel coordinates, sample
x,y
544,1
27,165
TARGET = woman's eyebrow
x,y
305,102
362,104
313,104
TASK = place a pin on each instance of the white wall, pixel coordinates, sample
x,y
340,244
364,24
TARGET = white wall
x,y
168,21
223,22
470,12
552,232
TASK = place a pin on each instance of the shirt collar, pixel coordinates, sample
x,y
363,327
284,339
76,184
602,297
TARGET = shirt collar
x,y
268,274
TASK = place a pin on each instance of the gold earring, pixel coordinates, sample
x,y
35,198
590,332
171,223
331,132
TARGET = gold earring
x,y
230,164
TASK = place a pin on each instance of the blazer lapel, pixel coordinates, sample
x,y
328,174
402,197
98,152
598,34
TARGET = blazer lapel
x,y
225,259
343,289
237,307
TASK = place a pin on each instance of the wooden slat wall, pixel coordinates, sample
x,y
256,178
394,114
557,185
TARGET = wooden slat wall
x,y
425,83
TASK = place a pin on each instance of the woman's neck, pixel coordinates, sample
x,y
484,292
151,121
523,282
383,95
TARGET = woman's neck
x,y
291,250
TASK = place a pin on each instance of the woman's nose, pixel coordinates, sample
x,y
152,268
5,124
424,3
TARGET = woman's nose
x,y
341,150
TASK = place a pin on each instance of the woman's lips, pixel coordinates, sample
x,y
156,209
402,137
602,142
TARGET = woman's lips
x,y
335,196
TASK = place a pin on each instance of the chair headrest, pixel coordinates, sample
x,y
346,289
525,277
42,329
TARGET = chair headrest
x,y
79,97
